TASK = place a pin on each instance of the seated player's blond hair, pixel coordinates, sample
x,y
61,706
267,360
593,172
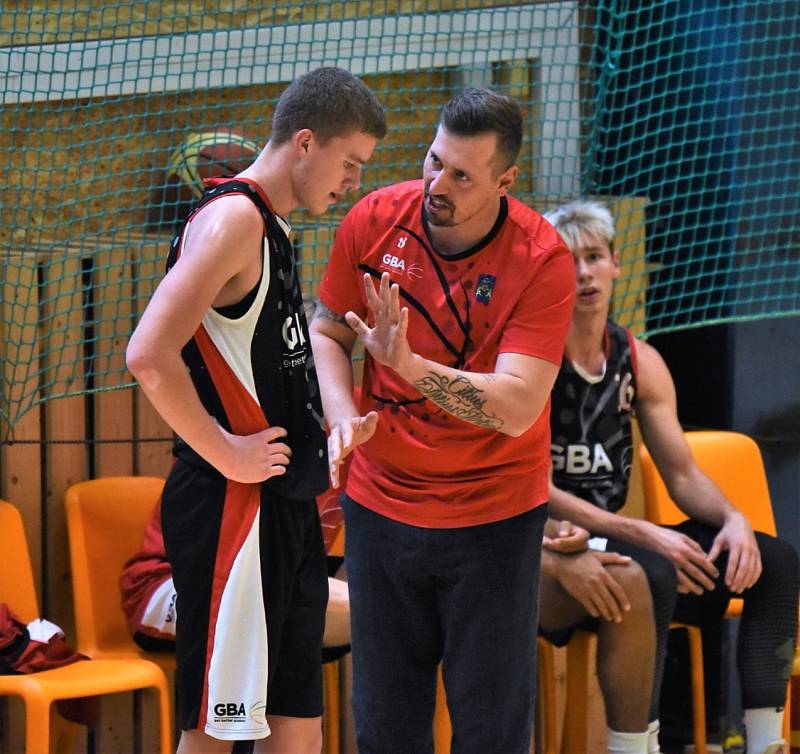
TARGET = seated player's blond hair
x,y
579,220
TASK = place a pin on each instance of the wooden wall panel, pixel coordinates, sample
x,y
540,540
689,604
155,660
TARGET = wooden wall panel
x,y
20,460
150,17
113,319
153,457
154,450
64,422
630,290
114,423
66,318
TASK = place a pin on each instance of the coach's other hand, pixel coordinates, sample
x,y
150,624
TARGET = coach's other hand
x,y
346,435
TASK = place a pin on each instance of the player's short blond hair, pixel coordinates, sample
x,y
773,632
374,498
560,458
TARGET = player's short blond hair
x,y
577,221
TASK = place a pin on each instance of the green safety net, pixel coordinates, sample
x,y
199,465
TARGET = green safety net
x,y
682,116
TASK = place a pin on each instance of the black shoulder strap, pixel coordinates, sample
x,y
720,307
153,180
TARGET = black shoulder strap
x,y
219,187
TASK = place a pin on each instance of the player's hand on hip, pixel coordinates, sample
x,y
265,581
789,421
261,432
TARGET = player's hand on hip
x,y
695,569
386,341
257,457
346,435
744,558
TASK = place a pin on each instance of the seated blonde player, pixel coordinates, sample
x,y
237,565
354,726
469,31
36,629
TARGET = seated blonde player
x,y
606,376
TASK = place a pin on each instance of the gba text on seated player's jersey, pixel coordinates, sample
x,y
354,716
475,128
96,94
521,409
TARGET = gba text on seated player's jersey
x,y
590,424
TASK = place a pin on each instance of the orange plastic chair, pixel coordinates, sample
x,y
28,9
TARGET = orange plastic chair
x,y
733,461
106,520
575,730
332,708
85,678
546,725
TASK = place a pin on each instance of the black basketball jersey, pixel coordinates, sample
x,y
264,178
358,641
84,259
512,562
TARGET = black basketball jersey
x,y
590,424
252,364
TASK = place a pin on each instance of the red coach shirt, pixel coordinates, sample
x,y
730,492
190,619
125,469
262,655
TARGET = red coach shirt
x,y
512,293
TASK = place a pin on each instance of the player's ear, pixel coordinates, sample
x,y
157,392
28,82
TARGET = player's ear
x,y
302,140
506,180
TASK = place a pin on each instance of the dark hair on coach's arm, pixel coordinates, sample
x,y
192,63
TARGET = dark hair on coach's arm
x,y
480,111
329,101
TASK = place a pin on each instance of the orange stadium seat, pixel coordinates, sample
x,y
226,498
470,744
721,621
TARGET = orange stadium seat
x,y
106,520
546,723
80,679
733,461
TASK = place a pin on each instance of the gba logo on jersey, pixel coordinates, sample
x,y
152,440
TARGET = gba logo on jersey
x,y
295,339
394,263
485,288
229,712
580,458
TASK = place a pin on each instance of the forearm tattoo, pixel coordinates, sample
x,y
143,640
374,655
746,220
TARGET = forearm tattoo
x,y
322,312
458,397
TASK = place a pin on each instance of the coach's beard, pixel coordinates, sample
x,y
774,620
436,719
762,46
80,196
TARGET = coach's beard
x,y
434,218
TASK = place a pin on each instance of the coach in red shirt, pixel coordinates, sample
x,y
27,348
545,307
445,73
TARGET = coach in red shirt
x,y
462,296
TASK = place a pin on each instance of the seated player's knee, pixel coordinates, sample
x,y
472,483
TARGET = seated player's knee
x,y
633,580
779,559
661,576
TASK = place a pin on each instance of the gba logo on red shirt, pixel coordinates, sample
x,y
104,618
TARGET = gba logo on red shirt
x,y
397,264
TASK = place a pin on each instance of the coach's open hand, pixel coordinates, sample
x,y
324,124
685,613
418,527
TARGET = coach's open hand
x,y
386,341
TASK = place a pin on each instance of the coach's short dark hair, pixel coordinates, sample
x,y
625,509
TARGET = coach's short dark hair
x,y
330,102
479,111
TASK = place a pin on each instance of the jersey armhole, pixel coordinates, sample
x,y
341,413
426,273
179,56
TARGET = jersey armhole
x,y
634,354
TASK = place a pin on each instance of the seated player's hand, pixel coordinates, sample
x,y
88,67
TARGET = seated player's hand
x,y
586,577
569,538
346,435
744,558
695,569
